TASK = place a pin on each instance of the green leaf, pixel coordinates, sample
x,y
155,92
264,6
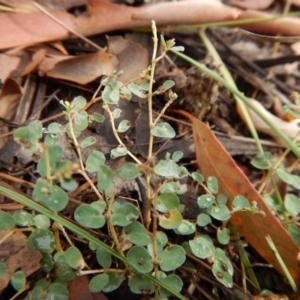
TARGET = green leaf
x,y
97,118
140,259
74,258
29,136
292,204
106,95
185,228
103,258
46,262
118,152
51,139
6,220
50,157
222,268
114,96
167,168
88,216
177,155
23,218
223,236
115,280
139,284
163,130
197,177
78,103
43,240
202,247
100,206
94,161
62,269
36,128
294,231
126,93
116,113
168,84
135,89
124,215
55,128
220,212
240,202
144,85
205,201
98,282
136,233
222,199
69,185
166,202
262,161
88,141
203,219
170,187
3,269
105,179
41,222
52,196
212,184
174,282
172,258
128,171
124,126
81,121
293,180
57,291
18,280
170,220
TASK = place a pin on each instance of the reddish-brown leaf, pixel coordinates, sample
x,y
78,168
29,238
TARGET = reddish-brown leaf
x,y
213,160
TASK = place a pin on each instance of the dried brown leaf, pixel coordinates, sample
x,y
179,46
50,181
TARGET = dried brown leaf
x,y
132,57
9,97
16,254
8,64
251,4
81,69
213,160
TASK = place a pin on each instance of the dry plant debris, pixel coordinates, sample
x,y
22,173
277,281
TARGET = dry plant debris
x,y
122,172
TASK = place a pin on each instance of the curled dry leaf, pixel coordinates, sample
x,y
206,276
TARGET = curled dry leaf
x,y
251,4
9,96
8,64
289,128
191,11
132,58
81,69
285,26
27,6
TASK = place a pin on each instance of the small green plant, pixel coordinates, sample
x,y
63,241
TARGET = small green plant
x,y
147,258
287,205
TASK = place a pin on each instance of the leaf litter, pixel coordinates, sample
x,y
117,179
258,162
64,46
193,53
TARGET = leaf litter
x,y
83,68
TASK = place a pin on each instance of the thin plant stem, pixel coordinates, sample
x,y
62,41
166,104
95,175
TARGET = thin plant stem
x,y
276,165
112,228
41,8
227,76
115,132
8,191
82,169
150,149
282,264
280,134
